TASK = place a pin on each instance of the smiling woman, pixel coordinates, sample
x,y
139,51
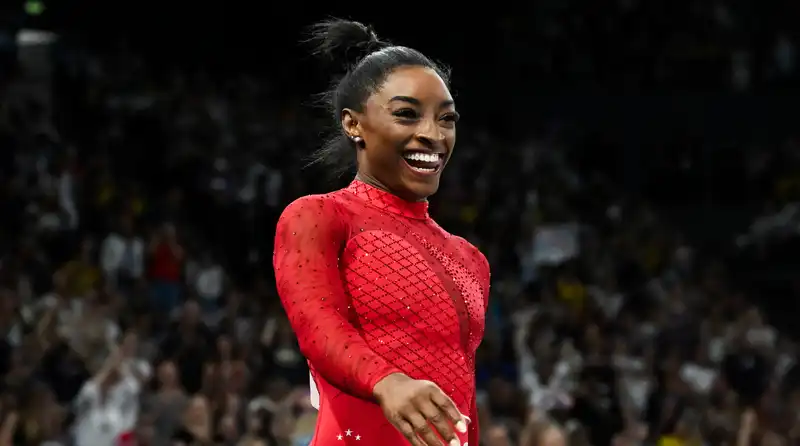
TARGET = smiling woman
x,y
388,308
392,103
407,130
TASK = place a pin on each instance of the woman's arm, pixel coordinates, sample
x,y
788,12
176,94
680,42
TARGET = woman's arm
x,y
485,280
310,235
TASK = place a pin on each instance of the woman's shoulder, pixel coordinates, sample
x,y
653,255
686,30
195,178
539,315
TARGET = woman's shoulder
x,y
478,259
328,207
470,254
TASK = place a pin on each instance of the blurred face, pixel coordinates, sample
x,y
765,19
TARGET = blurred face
x,y
227,427
497,436
168,231
552,437
197,412
167,374
191,312
253,423
409,130
224,347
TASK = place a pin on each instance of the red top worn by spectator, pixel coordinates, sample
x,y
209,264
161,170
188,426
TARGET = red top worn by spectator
x,y
373,286
167,258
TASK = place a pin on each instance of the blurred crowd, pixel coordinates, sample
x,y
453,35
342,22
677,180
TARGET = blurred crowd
x,y
636,45
138,304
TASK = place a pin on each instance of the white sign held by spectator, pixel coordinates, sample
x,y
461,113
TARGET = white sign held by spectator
x,y
555,244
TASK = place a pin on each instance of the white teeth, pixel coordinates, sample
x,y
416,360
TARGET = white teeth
x,y
425,157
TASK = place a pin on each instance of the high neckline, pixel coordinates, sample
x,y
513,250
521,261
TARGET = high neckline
x,y
387,201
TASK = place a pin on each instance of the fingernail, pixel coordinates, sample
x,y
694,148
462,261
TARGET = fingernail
x,y
461,426
455,442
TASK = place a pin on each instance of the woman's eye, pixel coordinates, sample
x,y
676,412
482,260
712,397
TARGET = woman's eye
x,y
405,113
450,117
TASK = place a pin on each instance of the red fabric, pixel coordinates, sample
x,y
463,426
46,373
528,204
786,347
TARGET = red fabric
x,y
127,439
166,266
372,286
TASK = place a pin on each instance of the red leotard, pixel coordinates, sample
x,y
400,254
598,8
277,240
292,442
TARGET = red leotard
x,y
373,286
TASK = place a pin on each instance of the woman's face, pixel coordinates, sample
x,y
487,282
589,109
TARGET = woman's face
x,y
253,423
552,437
224,347
227,427
197,412
409,130
167,374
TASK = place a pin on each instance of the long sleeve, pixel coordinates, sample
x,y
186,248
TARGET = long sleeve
x,y
309,237
474,429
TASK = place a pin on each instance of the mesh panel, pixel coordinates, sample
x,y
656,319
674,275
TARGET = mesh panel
x,y
405,313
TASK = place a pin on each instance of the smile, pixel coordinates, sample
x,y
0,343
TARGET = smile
x,y
423,162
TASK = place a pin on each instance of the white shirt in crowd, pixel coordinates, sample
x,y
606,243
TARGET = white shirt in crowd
x,y
551,394
121,254
635,382
209,282
699,378
100,421
556,392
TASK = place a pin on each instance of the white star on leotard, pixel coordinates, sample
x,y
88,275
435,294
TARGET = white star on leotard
x,y
339,437
358,437
348,432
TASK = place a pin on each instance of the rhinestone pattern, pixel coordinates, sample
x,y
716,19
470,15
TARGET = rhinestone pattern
x,y
405,313
470,287
373,286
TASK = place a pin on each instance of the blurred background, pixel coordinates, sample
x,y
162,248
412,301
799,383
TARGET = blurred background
x,y
630,168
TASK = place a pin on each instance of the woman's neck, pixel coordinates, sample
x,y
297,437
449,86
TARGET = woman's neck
x,y
374,182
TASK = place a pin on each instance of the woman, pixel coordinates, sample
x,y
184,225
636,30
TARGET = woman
x,y
197,429
168,403
542,432
258,429
387,306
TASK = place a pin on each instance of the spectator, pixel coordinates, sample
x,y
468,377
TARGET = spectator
x,y
197,424
80,273
208,281
40,417
106,408
122,256
258,433
166,257
189,342
542,432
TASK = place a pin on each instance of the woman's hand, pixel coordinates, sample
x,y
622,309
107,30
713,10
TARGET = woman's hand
x,y
412,406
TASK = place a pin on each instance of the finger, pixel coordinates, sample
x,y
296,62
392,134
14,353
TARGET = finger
x,y
449,408
407,430
423,429
439,419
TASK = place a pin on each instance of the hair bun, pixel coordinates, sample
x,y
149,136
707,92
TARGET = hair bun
x,y
344,41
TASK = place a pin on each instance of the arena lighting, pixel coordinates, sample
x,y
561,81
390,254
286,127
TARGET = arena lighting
x,y
35,37
34,7
35,52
